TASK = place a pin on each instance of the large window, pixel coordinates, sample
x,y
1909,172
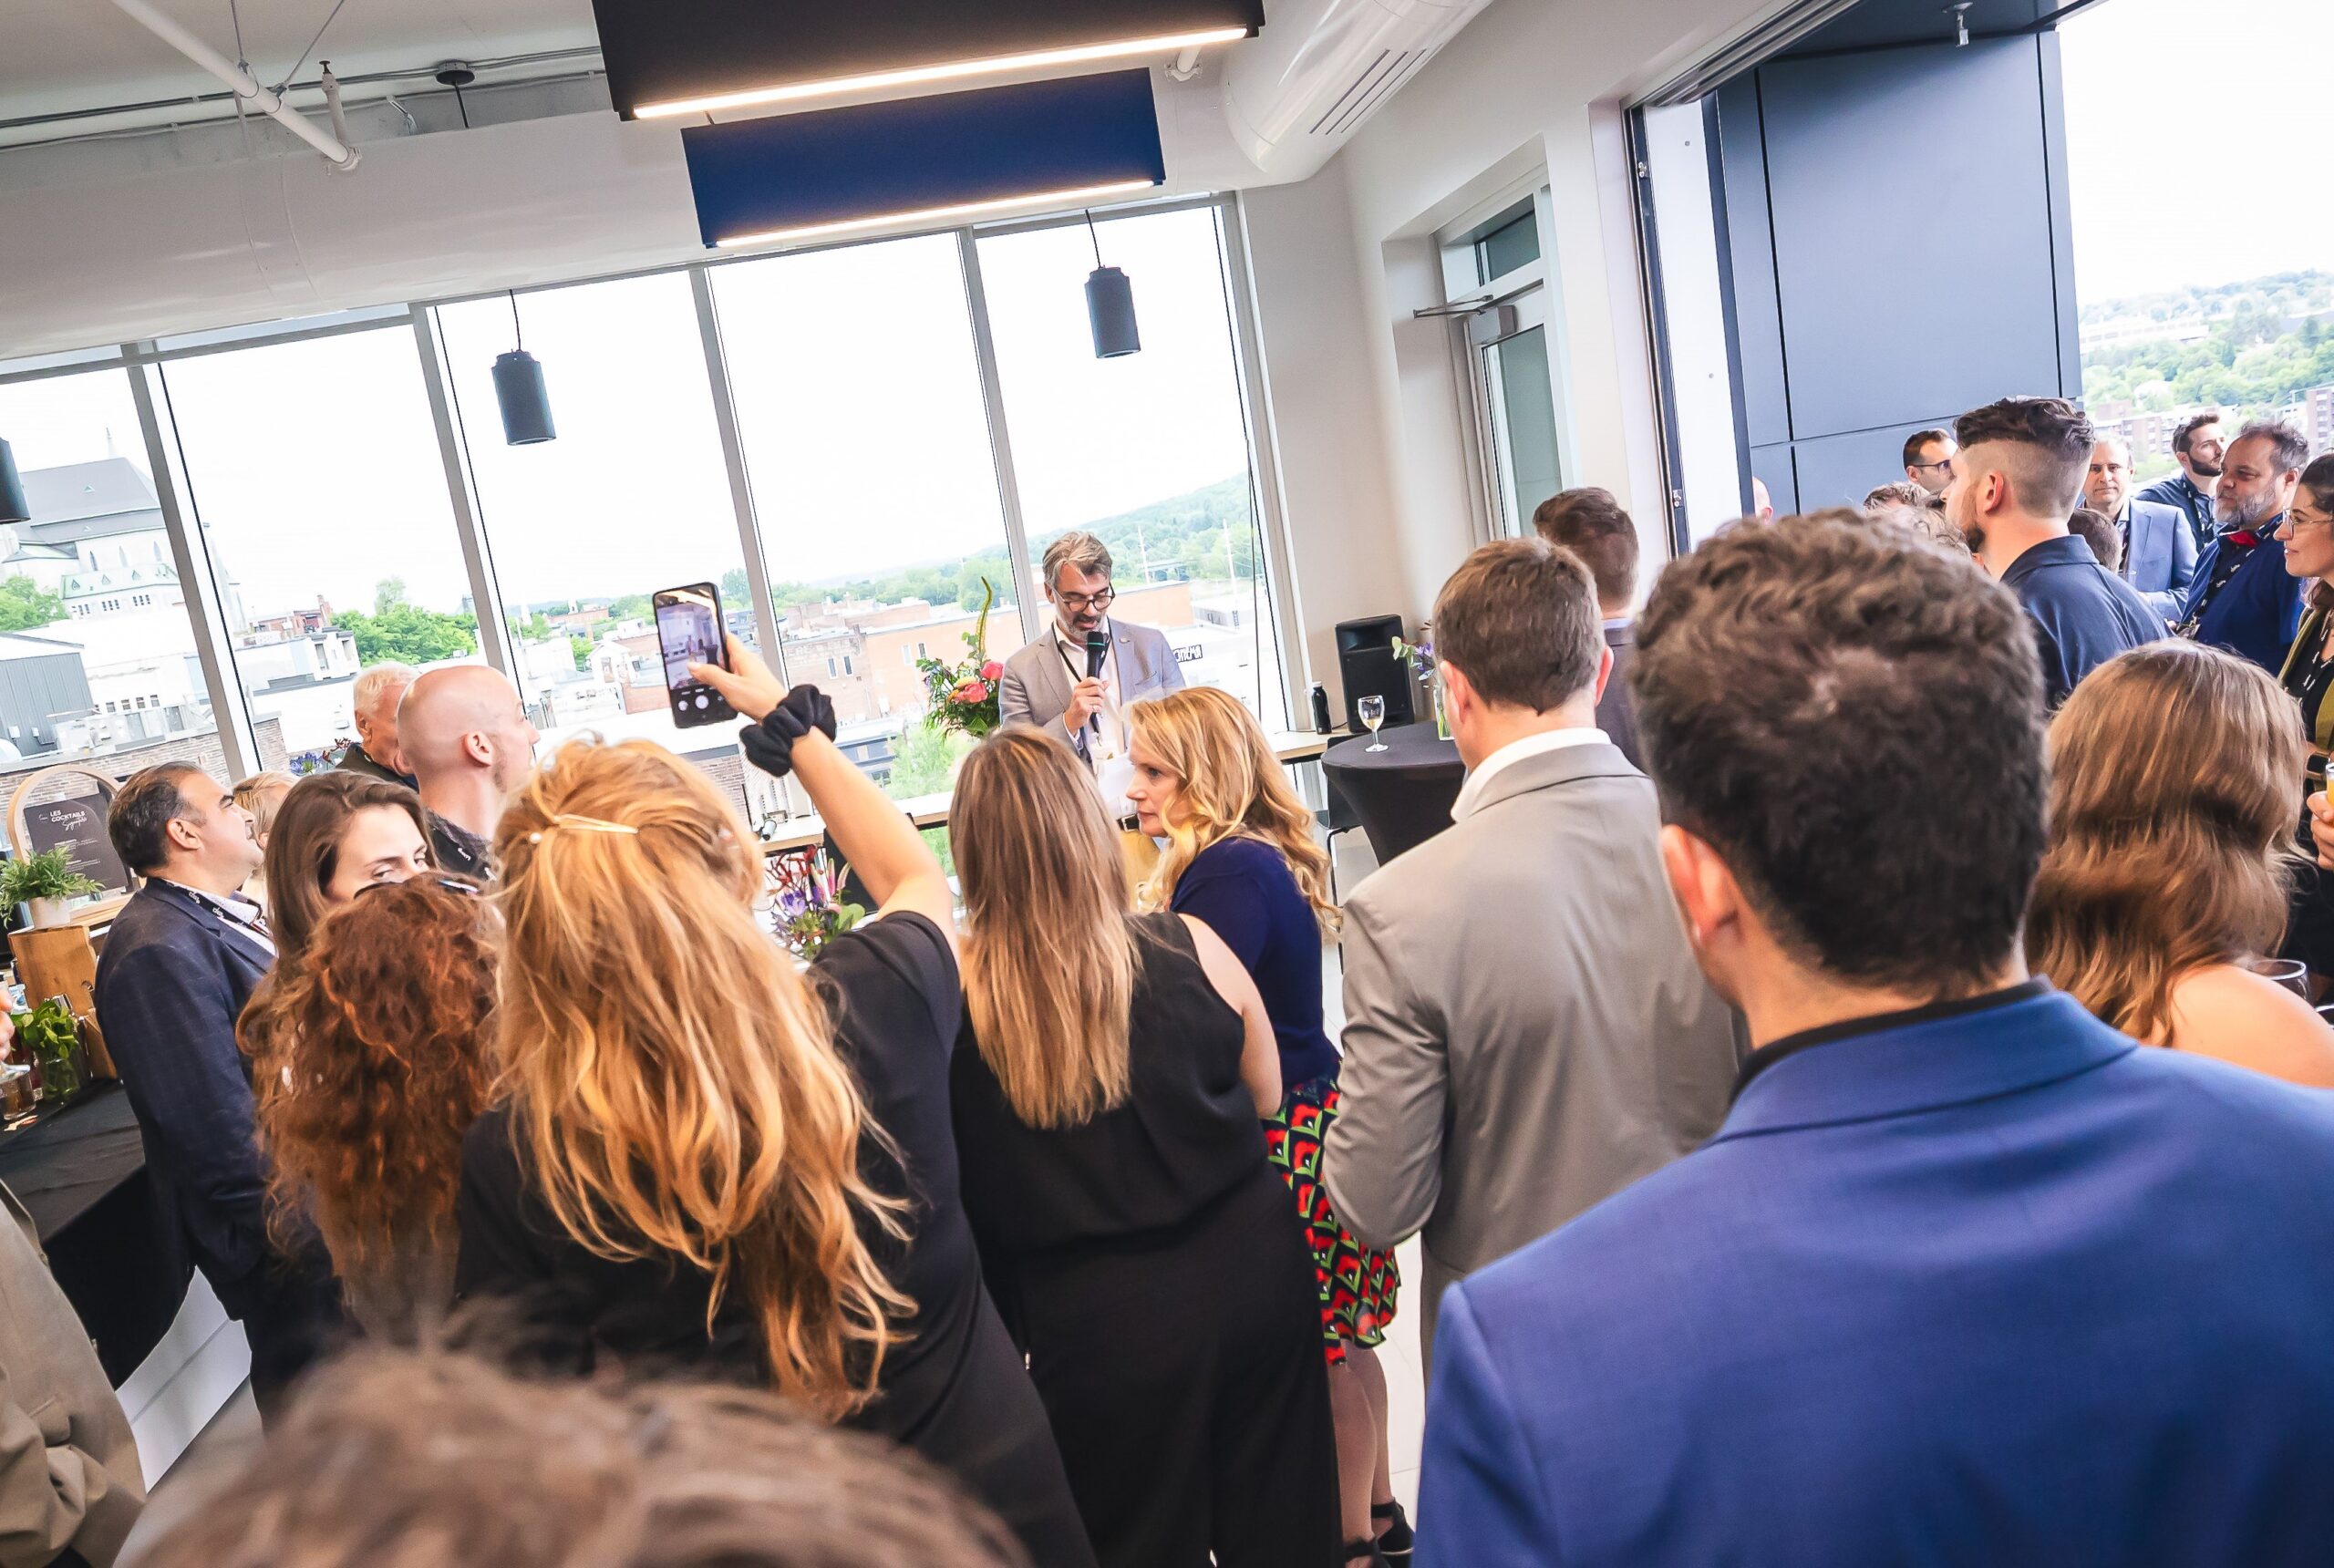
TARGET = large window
x,y
1151,451
631,498
314,472
860,408
97,652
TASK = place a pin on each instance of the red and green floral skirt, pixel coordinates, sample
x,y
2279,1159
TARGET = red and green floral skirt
x,y
1358,1285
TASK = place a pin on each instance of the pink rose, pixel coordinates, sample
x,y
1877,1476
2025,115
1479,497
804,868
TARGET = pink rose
x,y
991,670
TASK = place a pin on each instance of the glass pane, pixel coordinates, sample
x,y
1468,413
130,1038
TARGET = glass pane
x,y
314,470
1513,245
1524,423
858,403
1151,451
99,651
632,497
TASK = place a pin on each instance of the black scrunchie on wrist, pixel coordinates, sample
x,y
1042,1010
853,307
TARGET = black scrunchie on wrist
x,y
769,744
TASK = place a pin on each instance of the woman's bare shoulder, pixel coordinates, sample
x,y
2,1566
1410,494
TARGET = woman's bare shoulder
x,y
2232,1014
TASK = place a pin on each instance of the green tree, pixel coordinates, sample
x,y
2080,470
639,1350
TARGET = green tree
x,y
921,759
24,606
389,592
735,590
581,648
401,632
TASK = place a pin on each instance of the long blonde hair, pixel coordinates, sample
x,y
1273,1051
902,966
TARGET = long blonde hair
x,y
1050,957
2176,787
1229,785
673,1078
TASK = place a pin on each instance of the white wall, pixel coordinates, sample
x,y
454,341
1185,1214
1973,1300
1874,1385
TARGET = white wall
x,y
1376,474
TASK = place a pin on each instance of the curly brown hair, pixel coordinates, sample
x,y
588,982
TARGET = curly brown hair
x,y
371,1056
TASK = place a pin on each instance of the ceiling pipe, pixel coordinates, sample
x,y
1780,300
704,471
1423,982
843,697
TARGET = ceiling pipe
x,y
246,87
1187,65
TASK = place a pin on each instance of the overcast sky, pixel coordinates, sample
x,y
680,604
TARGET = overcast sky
x,y
2164,98
315,470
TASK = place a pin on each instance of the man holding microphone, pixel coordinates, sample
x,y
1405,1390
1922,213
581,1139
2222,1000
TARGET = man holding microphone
x,y
1075,680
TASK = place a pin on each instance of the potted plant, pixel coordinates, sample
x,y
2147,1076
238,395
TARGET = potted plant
x,y
47,1034
45,880
1420,658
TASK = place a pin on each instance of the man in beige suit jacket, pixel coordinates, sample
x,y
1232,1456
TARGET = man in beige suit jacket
x,y
1526,1031
69,1482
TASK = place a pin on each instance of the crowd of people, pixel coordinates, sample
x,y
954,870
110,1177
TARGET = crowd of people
x,y
1849,1066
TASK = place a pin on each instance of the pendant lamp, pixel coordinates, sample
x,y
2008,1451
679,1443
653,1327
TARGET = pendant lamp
x,y
13,507
1110,305
518,391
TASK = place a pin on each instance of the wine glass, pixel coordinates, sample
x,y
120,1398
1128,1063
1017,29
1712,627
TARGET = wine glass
x,y
1373,714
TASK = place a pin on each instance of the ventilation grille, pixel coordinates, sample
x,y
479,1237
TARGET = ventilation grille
x,y
1369,89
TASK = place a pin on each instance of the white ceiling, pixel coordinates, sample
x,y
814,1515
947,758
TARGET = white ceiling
x,y
58,54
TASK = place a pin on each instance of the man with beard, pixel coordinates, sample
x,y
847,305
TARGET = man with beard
x,y
2198,448
466,737
2242,598
1048,684
2016,481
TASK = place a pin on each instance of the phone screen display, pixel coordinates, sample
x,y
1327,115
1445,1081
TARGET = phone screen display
x,y
688,631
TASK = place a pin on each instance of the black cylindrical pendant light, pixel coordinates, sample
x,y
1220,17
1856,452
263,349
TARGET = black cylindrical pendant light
x,y
519,390
13,507
1110,306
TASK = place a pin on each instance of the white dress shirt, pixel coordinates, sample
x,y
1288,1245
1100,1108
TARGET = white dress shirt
x,y
1515,751
1113,769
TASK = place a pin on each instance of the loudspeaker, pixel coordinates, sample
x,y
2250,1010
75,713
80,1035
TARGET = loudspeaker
x,y
1367,663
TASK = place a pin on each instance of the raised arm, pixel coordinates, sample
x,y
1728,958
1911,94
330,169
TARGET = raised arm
x,y
796,736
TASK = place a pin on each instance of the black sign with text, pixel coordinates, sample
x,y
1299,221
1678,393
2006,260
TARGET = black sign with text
x,y
78,828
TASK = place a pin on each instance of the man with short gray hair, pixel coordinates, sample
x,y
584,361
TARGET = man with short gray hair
x,y
375,699
1075,680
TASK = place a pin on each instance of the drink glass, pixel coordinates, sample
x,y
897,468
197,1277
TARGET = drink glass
x,y
1373,714
2290,973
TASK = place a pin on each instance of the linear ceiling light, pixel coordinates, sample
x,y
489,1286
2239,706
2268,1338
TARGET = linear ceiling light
x,y
941,214
955,70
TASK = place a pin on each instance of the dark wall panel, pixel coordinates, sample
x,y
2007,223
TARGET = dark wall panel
x,y
1841,471
1771,465
1759,325
1912,231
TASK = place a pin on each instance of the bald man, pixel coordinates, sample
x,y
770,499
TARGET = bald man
x,y
465,733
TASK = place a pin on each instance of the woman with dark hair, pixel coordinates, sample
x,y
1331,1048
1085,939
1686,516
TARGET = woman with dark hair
x,y
337,832
2172,779
2308,534
370,1058
1107,1089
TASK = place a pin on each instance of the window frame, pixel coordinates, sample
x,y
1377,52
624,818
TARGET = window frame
x,y
205,601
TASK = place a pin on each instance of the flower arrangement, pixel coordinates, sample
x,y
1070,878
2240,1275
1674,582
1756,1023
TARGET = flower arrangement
x,y
806,909
962,694
1420,658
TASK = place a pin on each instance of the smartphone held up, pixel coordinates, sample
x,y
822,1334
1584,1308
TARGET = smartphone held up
x,y
689,631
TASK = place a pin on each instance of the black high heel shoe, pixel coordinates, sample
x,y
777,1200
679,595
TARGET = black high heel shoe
x,y
1396,1539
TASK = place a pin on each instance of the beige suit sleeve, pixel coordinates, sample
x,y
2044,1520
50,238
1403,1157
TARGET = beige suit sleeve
x,y
1013,706
52,1498
1383,1159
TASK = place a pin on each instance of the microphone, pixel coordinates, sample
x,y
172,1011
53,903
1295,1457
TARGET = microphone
x,y
1098,648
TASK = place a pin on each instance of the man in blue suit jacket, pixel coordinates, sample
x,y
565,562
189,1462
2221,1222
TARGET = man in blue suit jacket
x,y
1966,1277
2243,599
2158,551
181,959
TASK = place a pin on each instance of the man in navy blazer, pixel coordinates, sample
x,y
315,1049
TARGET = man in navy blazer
x,y
2158,551
1966,1277
2243,599
181,959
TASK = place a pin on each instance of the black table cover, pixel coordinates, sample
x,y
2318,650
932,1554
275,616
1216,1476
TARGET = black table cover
x,y
1402,794
112,1243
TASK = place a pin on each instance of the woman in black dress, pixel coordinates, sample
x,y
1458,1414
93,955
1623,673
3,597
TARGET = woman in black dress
x,y
706,1165
1107,1089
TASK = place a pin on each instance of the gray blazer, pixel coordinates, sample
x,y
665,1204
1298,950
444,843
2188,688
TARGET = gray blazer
x,y
1526,1032
68,1466
1036,687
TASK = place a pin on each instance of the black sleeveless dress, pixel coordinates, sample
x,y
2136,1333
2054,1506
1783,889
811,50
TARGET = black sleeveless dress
x,y
1150,1263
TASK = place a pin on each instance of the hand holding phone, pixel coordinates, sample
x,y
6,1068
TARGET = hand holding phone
x,y
744,681
690,636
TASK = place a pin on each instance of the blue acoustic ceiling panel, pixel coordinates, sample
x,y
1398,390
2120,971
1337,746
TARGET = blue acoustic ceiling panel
x,y
832,170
